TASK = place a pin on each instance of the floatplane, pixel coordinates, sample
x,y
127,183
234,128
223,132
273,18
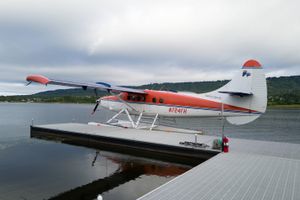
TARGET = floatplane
x,y
240,101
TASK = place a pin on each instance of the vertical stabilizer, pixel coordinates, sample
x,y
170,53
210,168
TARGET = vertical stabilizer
x,y
248,89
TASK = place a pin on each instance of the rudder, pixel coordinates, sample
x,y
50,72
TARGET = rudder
x,y
248,89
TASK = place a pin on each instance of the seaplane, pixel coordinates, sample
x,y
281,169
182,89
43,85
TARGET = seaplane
x,y
240,101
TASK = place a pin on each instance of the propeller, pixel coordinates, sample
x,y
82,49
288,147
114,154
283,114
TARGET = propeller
x,y
96,106
29,82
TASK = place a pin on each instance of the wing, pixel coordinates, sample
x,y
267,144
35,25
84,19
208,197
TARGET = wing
x,y
100,85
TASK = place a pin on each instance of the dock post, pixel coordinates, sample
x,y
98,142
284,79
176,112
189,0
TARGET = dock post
x,y
223,120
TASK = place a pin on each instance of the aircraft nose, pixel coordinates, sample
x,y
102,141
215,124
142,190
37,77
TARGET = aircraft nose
x,y
98,101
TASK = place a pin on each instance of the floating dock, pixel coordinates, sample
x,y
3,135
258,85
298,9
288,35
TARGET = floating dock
x,y
251,170
163,145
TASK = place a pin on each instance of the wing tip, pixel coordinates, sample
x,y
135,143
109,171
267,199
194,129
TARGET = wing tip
x,y
38,78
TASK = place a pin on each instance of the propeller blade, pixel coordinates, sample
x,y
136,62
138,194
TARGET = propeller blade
x,y
29,82
96,106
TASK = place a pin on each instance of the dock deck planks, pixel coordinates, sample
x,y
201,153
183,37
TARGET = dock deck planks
x,y
252,170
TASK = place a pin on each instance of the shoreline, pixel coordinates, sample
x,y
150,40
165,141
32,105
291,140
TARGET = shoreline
x,y
294,106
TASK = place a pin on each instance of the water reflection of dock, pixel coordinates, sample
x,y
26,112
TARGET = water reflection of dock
x,y
128,170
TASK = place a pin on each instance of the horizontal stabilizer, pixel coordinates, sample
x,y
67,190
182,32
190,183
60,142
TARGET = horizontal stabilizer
x,y
237,93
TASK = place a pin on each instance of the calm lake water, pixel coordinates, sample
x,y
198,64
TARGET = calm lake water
x,y
39,169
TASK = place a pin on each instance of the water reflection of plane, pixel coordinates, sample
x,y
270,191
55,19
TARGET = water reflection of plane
x,y
129,169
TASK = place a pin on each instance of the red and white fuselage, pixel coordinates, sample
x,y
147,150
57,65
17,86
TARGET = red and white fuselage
x,y
172,104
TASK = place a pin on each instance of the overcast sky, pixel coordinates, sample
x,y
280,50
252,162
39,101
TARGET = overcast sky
x,y
132,42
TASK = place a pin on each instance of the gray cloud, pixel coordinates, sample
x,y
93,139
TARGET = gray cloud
x,y
137,42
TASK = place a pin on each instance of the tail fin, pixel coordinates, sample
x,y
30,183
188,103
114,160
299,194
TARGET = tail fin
x,y
248,89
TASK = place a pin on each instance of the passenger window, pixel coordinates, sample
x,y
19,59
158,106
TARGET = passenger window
x,y
154,100
161,100
138,98
128,97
